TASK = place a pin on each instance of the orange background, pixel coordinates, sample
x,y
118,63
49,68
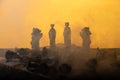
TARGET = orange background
x,y
18,17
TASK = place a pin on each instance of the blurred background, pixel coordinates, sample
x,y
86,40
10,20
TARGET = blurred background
x,y
18,17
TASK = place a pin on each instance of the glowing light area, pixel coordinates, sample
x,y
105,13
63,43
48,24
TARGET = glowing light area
x,y
18,17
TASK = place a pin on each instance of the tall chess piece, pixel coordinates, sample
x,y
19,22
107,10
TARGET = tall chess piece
x,y
85,34
67,35
36,36
52,35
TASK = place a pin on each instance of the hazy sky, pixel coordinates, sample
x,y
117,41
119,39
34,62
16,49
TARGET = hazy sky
x,y
18,17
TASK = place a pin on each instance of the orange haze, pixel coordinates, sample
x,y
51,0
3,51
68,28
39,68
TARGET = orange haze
x,y
18,17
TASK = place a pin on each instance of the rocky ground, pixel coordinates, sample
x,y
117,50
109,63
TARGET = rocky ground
x,y
85,66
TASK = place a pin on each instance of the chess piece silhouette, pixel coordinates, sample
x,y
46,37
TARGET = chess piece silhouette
x,y
67,35
36,36
85,34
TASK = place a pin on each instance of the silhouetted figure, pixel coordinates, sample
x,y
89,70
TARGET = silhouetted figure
x,y
36,36
52,36
67,35
85,34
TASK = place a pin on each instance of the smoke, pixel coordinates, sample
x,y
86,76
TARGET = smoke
x,y
20,16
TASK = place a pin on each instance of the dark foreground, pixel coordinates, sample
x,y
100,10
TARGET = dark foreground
x,y
9,73
101,64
